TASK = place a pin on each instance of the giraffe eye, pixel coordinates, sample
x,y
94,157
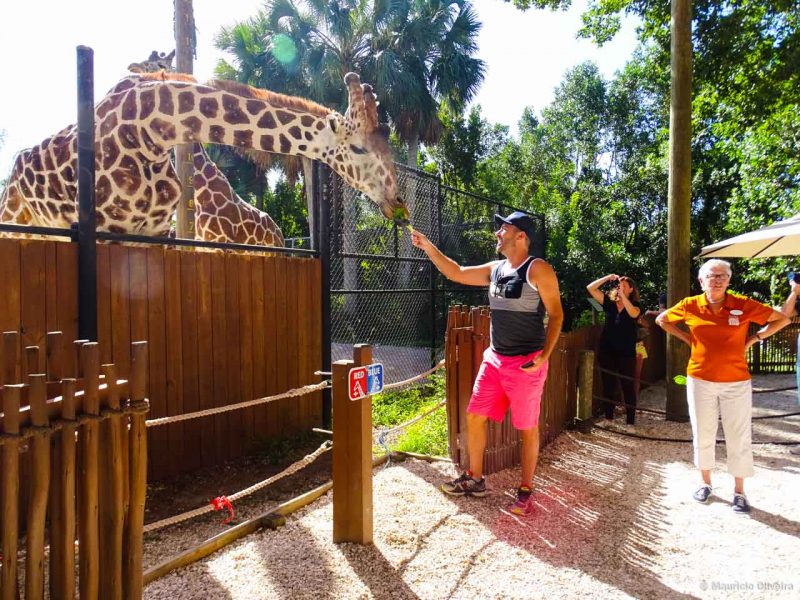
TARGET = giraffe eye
x,y
358,149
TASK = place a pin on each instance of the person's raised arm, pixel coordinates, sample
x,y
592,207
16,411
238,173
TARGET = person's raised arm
x,y
633,310
542,276
776,321
477,275
790,306
593,288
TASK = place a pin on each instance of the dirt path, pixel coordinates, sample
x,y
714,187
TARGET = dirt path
x,y
614,519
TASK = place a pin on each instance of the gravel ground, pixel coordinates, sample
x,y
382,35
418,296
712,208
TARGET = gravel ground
x,y
614,519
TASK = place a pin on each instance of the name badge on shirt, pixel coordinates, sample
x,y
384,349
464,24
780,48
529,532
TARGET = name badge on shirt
x,y
733,319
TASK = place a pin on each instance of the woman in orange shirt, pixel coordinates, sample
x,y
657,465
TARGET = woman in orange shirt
x,y
718,380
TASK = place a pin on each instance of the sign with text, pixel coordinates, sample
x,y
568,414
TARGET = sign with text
x,y
365,381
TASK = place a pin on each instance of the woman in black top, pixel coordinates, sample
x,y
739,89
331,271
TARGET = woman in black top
x,y
617,353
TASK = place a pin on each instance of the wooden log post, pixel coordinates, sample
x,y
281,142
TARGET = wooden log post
x,y
40,484
585,384
88,535
9,507
352,455
134,526
111,492
62,500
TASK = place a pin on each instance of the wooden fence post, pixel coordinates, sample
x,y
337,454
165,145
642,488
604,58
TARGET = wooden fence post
x,y
10,490
40,483
134,527
111,500
352,455
62,518
585,384
88,535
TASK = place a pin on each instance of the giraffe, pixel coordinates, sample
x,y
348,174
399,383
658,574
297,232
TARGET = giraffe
x,y
220,215
146,115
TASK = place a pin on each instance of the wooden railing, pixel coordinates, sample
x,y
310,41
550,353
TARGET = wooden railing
x,y
74,460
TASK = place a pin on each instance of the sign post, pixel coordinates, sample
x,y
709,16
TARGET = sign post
x,y
352,446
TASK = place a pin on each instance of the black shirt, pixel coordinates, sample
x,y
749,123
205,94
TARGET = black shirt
x,y
619,331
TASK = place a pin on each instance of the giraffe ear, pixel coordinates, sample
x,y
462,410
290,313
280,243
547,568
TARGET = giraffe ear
x,y
336,123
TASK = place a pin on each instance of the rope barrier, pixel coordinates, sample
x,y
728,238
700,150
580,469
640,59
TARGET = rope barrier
x,y
685,441
381,435
663,413
290,470
397,384
307,389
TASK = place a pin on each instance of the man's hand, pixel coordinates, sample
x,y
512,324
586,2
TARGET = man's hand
x,y
420,241
531,366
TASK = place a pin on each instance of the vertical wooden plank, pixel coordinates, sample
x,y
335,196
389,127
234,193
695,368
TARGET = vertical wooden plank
x,y
62,519
270,345
120,308
39,448
54,351
205,373
282,334
112,475
134,529
67,283
9,478
88,535
218,355
303,342
51,291
192,429
246,345
104,294
233,353
12,358
157,358
137,260
174,355
32,299
292,342
259,373
315,310
10,276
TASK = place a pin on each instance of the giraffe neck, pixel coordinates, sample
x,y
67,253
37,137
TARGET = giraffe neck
x,y
166,114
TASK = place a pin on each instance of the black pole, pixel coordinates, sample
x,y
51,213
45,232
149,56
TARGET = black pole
x,y
87,248
322,210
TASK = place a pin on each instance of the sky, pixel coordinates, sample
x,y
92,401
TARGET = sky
x,y
527,54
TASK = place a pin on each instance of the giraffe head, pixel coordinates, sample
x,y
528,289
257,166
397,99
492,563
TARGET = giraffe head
x,y
364,145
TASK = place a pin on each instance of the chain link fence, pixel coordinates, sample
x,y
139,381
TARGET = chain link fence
x,y
385,292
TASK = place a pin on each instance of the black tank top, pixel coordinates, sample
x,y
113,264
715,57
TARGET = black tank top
x,y
517,321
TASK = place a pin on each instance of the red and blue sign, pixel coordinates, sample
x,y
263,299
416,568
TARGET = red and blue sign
x,y
365,381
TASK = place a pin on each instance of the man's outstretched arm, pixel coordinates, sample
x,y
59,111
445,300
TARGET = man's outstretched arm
x,y
478,275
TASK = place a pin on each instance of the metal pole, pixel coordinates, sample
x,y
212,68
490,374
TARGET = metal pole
x,y
87,242
322,209
679,194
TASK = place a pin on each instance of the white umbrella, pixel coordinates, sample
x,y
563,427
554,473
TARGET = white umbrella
x,y
779,239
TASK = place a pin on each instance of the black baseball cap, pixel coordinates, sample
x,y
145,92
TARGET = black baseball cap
x,y
519,220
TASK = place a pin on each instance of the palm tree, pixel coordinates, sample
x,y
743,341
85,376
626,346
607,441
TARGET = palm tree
x,y
416,53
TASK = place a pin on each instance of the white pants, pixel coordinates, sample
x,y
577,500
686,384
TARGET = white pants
x,y
734,400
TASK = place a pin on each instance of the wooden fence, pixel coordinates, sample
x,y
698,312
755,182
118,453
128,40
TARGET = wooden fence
x,y
222,327
467,337
74,452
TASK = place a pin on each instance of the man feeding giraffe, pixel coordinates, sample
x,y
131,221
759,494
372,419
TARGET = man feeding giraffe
x,y
136,126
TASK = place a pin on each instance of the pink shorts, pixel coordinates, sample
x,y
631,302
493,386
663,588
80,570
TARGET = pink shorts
x,y
501,384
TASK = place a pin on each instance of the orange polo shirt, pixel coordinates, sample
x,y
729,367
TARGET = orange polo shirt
x,y
718,340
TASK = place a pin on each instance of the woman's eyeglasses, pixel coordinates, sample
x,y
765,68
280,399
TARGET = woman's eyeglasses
x,y
717,276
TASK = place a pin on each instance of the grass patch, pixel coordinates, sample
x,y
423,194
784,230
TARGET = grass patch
x,y
428,436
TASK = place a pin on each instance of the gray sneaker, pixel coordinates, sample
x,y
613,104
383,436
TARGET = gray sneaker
x,y
702,494
465,486
740,504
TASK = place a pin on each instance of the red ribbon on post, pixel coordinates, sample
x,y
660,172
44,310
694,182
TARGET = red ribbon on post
x,y
221,502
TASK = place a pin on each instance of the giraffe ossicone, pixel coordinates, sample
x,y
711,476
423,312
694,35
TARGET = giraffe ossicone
x,y
144,116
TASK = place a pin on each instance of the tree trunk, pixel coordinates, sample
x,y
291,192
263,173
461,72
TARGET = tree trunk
x,y
308,180
184,49
679,200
